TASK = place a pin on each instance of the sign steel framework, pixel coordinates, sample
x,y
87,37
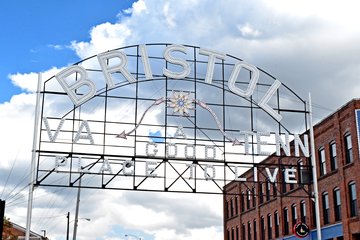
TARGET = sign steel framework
x,y
168,118
162,117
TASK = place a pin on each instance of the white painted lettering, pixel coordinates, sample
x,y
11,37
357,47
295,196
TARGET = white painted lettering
x,y
177,61
80,82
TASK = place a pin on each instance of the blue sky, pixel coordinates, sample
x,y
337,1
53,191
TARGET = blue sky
x,y
293,40
30,30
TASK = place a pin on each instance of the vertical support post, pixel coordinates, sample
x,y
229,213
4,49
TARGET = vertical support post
x,y
77,210
2,214
33,158
314,171
67,225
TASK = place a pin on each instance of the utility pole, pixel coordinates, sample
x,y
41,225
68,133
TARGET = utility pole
x,y
2,214
77,211
67,226
314,172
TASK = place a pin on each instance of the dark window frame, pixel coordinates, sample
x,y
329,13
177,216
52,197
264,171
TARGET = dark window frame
x,y
269,226
337,203
293,214
277,224
352,199
303,211
262,228
286,221
333,156
348,148
325,207
322,161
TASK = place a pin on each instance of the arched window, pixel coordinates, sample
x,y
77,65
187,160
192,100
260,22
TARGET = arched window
x,y
255,230
242,203
300,169
268,188
231,207
303,211
254,196
236,206
286,221
348,148
293,214
277,224
322,161
333,158
325,207
249,230
261,193
243,234
262,228
337,203
248,199
269,226
353,199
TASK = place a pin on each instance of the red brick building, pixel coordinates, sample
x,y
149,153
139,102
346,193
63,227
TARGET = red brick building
x,y
12,231
264,209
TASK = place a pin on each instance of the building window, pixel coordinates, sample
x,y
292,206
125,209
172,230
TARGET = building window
x,y
275,189
232,207
248,199
322,162
293,214
227,209
300,169
268,188
283,187
286,221
348,149
277,224
337,204
237,233
269,226
302,211
242,204
313,213
261,193
228,234
353,199
249,230
255,230
254,196
325,206
292,185
333,160
236,206
243,235
232,234
262,228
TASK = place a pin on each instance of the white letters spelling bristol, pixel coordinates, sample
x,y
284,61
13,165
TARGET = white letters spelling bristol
x,y
107,70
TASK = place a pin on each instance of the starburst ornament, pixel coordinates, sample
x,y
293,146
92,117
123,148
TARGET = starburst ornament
x,y
181,103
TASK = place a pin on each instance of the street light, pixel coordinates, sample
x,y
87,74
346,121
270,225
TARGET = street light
x,y
68,223
134,236
76,221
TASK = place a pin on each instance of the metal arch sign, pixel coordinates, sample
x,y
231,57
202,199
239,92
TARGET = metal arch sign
x,y
165,117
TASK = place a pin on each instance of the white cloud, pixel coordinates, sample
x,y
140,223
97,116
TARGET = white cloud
x,y
307,46
248,31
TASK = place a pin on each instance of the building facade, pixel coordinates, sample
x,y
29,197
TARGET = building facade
x,y
264,209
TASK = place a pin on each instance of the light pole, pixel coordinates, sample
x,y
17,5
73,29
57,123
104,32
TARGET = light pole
x,y
67,226
76,221
134,236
